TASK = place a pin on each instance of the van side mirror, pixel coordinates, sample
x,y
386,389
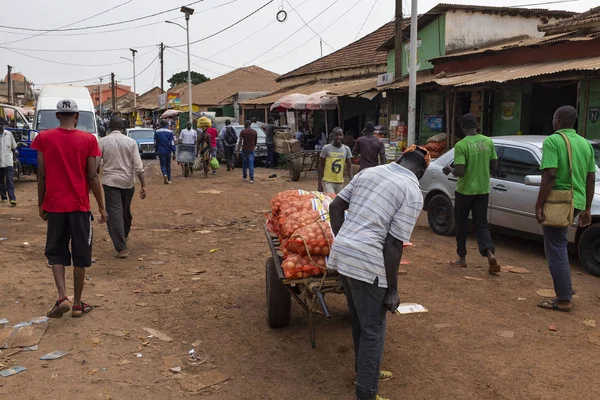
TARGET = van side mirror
x,y
533,180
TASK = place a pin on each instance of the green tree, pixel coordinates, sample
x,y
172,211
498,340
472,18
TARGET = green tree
x,y
181,77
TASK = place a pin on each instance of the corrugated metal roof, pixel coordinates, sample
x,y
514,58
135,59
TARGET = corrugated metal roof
x,y
505,73
342,88
589,17
564,37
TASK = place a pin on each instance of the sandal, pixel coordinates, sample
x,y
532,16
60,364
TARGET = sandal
x,y
385,376
552,305
79,311
60,307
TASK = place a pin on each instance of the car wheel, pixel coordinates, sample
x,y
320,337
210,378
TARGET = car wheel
x,y
589,249
440,214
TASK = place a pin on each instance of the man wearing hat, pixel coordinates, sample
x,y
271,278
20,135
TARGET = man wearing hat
x,y
383,205
67,169
8,155
474,156
370,148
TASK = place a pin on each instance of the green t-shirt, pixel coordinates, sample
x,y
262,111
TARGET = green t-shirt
x,y
555,155
475,153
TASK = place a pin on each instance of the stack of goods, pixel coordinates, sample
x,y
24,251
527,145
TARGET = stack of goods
x,y
300,220
436,145
204,123
286,143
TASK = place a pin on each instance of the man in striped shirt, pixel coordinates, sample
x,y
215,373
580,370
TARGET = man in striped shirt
x,y
383,205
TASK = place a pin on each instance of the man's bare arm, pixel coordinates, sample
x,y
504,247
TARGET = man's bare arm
x,y
41,186
94,181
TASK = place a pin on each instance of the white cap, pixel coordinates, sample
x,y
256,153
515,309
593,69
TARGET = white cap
x,y
67,106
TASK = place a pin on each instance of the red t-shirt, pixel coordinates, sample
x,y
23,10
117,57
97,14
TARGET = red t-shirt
x,y
213,136
65,157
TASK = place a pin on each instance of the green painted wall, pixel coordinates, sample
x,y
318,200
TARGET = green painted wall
x,y
506,118
432,114
433,45
592,114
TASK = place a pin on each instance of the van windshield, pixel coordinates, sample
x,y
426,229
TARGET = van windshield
x,y
46,119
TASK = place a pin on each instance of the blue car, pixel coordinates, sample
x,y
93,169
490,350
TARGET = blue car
x,y
144,138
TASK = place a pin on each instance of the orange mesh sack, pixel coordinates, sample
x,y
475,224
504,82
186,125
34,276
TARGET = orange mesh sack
x,y
299,220
313,240
301,205
297,266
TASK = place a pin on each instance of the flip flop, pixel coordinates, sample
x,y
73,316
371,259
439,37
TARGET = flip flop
x,y
79,311
455,263
552,305
61,307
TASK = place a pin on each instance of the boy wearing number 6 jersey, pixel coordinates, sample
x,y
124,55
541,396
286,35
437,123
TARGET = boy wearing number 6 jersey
x,y
335,158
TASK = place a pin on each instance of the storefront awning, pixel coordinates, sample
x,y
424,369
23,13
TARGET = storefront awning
x,y
343,88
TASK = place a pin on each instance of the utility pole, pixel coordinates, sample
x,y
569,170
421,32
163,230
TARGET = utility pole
x,y
134,92
412,75
162,66
321,43
100,97
10,84
114,97
398,48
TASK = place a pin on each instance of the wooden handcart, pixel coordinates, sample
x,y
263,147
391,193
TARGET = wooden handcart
x,y
308,292
303,161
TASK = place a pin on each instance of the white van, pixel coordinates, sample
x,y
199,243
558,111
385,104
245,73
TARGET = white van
x,y
50,95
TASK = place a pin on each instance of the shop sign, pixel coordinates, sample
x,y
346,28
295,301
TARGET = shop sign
x,y
162,101
508,110
384,79
594,114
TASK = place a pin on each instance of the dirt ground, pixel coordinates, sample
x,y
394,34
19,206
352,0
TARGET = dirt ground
x,y
221,312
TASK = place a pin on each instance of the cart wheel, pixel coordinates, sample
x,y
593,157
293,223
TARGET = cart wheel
x,y
279,300
295,169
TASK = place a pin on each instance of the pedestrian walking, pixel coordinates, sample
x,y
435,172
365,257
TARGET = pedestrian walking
x,y
190,137
567,190
384,203
64,180
8,156
204,151
474,156
212,132
335,158
121,163
270,130
164,143
229,138
247,144
370,148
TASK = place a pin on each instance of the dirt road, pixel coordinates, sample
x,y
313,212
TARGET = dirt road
x,y
214,302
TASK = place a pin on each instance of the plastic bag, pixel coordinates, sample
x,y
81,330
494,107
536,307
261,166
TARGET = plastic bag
x,y
214,163
198,164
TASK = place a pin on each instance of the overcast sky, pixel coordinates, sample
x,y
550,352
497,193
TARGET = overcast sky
x,y
244,44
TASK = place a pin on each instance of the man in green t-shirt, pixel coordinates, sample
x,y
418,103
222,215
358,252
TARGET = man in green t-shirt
x,y
557,176
473,157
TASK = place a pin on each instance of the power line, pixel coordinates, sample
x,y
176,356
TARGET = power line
x,y
228,27
139,73
59,62
306,24
183,58
337,20
366,19
76,81
298,30
73,23
102,25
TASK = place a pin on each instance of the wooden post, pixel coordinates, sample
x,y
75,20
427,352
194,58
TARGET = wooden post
x,y
586,106
398,42
453,111
448,104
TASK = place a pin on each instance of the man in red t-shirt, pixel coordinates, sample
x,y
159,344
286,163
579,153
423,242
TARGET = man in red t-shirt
x,y
212,132
66,172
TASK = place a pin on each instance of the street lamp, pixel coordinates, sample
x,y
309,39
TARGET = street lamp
x,y
187,11
133,61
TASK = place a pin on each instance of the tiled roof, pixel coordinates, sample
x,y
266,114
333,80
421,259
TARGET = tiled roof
x,y
579,21
217,90
360,53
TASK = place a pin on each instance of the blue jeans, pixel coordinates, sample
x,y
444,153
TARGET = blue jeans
x,y
7,173
248,163
365,301
555,247
165,164
271,160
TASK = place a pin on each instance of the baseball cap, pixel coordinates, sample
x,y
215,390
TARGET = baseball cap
x,y
67,106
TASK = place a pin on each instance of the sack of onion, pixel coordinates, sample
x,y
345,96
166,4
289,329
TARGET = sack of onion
x,y
314,240
299,220
297,266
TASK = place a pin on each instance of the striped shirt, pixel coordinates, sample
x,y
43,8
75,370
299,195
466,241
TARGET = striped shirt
x,y
383,199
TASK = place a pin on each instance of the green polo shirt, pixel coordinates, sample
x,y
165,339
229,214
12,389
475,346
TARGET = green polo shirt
x,y
555,155
475,153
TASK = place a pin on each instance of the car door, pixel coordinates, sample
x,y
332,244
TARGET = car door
x,y
512,202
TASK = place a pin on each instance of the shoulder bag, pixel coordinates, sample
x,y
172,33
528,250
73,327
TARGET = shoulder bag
x,y
558,208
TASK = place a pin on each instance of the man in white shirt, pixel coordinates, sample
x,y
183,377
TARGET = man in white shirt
x,y
8,153
188,135
121,163
383,205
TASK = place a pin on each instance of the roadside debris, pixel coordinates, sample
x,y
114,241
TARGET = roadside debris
x,y
441,326
53,355
506,334
124,362
158,334
546,293
141,304
515,270
12,371
410,308
204,232
24,334
182,212
213,250
590,322
175,369
472,278
553,328
210,191
195,383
